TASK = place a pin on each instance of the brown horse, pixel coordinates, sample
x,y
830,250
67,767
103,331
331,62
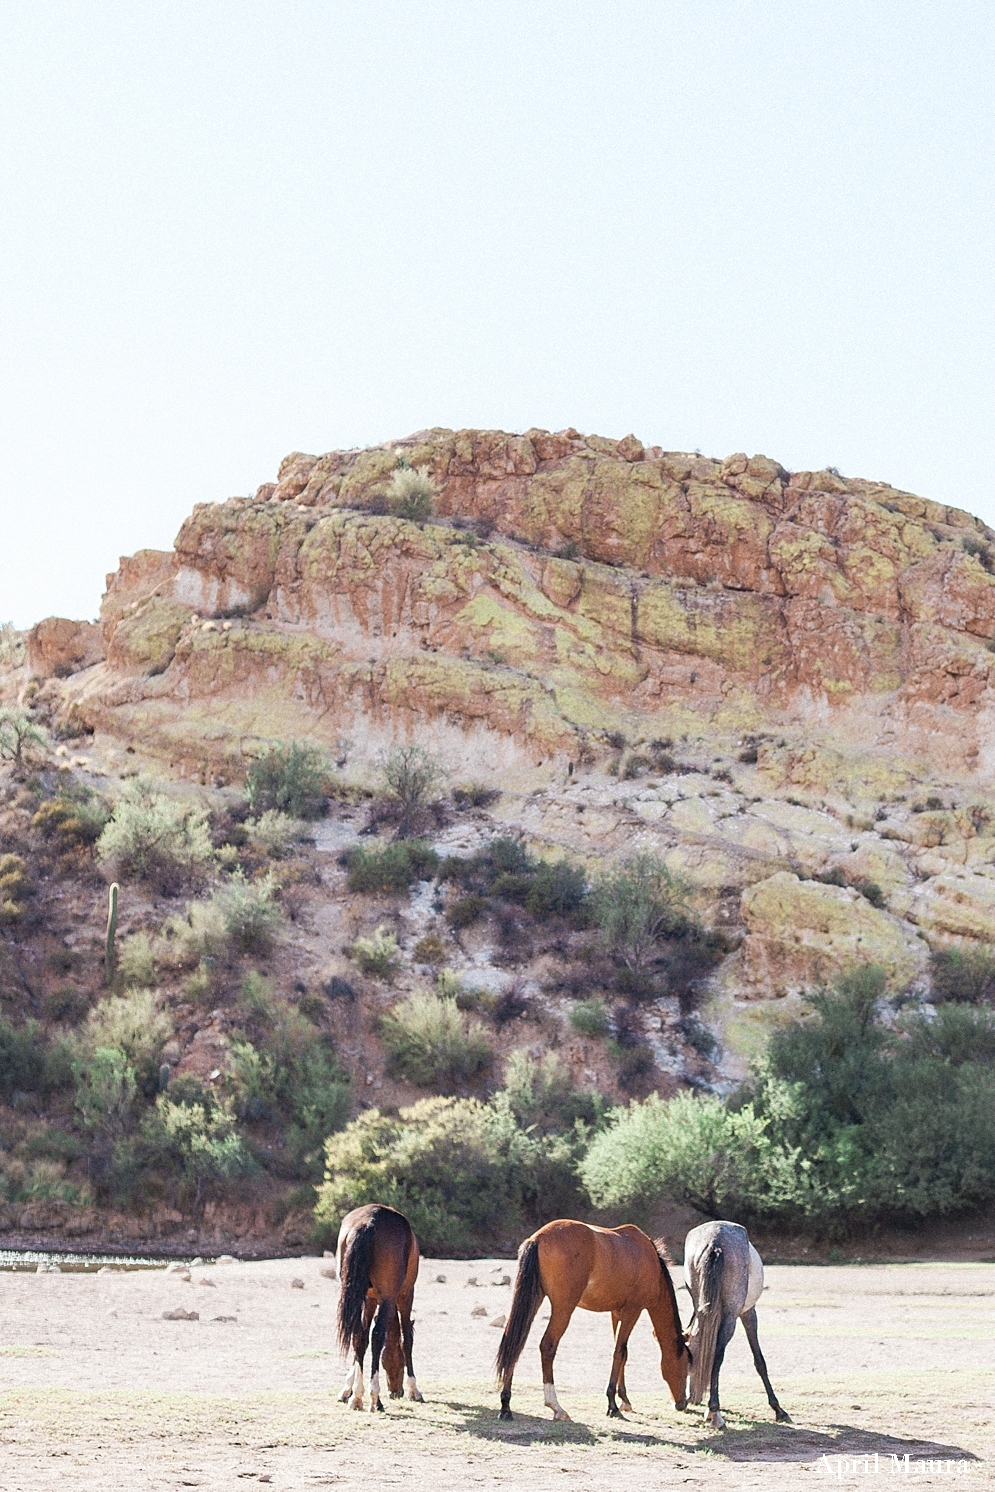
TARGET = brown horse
x,y
599,1269
378,1265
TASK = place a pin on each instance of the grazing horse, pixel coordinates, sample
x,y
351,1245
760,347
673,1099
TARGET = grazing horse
x,y
725,1276
599,1269
378,1265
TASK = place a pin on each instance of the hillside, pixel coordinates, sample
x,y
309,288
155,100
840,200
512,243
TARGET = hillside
x,y
779,684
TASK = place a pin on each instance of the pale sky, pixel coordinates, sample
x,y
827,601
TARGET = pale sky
x,y
229,231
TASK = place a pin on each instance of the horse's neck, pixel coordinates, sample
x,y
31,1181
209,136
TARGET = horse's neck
x,y
663,1314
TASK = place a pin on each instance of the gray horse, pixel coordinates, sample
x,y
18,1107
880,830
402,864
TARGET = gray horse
x,y
725,1276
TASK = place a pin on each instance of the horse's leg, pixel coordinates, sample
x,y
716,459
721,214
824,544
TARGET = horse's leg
x,y
347,1388
404,1304
623,1323
749,1320
388,1308
356,1402
713,1415
559,1320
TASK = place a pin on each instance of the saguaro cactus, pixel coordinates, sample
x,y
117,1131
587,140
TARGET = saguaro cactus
x,y
111,930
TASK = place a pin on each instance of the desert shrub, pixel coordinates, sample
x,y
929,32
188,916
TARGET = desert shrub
x,y
465,1173
982,553
338,988
411,494
249,912
429,950
965,972
687,962
377,954
542,1096
557,889
475,795
136,962
23,1065
197,1144
150,836
689,1149
15,887
273,832
293,780
20,736
411,775
430,1042
872,892
390,867
67,1005
590,1017
697,1036
833,876
71,821
106,1091
287,1072
465,911
637,907
130,1024
510,1004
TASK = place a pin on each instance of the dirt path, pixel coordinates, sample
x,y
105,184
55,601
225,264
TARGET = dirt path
x,y
97,1391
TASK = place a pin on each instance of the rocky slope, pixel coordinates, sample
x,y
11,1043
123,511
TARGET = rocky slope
x,y
815,648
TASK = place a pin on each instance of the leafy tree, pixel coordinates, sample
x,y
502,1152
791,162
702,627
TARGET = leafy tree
x,y
290,779
637,907
18,733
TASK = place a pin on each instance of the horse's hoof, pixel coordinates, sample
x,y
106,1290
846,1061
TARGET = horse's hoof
x,y
396,1393
624,1404
377,1408
560,1414
614,1412
345,1396
417,1397
355,1403
714,1418
782,1417
506,1414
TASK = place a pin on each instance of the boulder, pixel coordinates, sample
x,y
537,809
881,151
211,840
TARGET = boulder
x,y
58,647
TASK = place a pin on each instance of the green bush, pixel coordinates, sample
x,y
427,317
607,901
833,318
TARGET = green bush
x,y
411,775
136,962
196,1145
390,867
430,1042
377,954
133,1026
287,1073
688,1149
72,821
67,1005
239,917
872,892
23,1064
152,837
411,494
638,907
20,737
590,1017
293,780
465,1173
965,972
274,832
465,911
541,1094
106,1091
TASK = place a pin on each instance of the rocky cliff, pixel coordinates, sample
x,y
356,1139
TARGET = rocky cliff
x,y
769,676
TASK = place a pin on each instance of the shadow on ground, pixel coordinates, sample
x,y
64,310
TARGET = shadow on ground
x,y
742,1440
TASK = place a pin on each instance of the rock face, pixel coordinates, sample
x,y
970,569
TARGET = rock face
x,y
573,598
617,586
58,647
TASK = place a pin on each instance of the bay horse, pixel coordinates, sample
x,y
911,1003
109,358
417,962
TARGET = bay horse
x,y
725,1276
599,1269
377,1264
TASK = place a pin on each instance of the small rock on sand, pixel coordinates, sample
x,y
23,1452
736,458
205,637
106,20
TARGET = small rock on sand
x,y
329,1274
226,1259
224,1318
181,1315
499,1320
297,1284
504,1280
479,1311
440,1279
48,1269
205,1281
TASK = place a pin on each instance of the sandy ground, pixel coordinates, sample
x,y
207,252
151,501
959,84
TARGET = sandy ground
x,y
100,1392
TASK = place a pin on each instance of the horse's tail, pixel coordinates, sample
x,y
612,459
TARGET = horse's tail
x,y
354,1282
525,1301
708,1315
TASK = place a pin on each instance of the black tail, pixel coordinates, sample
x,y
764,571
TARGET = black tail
x,y
354,1282
525,1301
708,1317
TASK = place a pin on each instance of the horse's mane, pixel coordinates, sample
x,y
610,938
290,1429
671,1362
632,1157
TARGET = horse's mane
x,y
665,1262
